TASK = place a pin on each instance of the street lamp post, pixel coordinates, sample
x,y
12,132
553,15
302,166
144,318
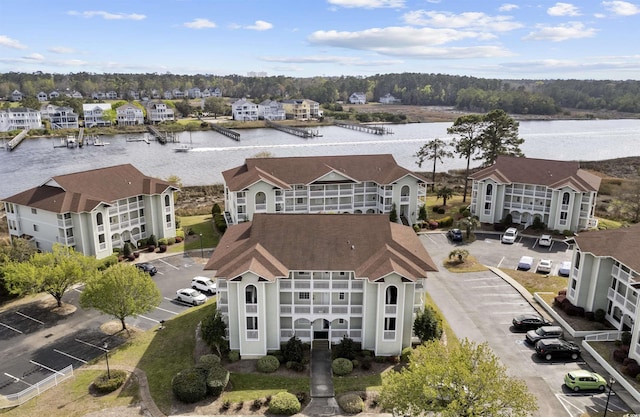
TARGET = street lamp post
x,y
606,406
105,345
201,248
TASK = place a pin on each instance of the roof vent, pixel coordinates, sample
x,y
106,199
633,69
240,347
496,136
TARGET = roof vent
x,y
353,247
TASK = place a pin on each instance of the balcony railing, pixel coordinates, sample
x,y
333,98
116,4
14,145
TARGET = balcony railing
x,y
339,309
252,334
356,309
390,309
389,334
251,308
261,207
65,223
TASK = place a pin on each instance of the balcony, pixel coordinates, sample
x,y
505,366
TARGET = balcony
x,y
320,309
65,223
261,208
404,199
390,309
356,310
252,334
389,335
339,309
251,308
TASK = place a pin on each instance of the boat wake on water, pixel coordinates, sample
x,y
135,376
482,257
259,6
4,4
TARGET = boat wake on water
x,y
306,145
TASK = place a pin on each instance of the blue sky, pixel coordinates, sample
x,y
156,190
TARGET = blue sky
x,y
483,38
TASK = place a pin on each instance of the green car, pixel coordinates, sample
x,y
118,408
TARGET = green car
x,y
584,380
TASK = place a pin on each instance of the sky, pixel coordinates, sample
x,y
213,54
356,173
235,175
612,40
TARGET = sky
x,y
589,39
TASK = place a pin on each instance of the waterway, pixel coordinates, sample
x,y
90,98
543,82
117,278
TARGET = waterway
x,y
36,160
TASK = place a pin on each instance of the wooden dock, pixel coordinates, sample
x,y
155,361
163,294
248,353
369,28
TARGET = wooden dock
x,y
303,133
13,143
81,137
376,130
162,137
227,132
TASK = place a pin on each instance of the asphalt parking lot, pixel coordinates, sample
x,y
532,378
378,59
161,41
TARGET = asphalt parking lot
x,y
41,343
480,307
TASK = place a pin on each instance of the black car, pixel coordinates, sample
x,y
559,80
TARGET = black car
x,y
455,235
529,322
147,267
552,348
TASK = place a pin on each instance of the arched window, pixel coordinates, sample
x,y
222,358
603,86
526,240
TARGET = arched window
x,y
166,200
405,191
565,198
489,189
99,219
251,294
261,198
391,296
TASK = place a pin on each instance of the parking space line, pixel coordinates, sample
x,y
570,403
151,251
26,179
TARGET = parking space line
x,y
500,263
167,263
149,318
70,356
168,311
30,318
10,328
46,367
18,379
92,345
491,286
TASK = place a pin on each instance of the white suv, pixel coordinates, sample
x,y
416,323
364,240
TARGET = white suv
x,y
510,235
203,284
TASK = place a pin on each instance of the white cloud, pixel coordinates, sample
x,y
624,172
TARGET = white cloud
x,y
200,23
621,8
260,25
61,50
34,57
328,59
7,42
571,30
507,7
468,20
108,15
563,9
368,4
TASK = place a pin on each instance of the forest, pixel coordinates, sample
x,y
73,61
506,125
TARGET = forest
x,y
539,97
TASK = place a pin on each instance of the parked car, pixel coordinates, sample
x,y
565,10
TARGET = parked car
x,y
584,380
455,235
565,269
553,348
147,267
510,235
545,240
544,266
529,322
525,263
544,332
191,296
203,284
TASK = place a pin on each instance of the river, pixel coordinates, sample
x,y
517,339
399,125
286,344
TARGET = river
x,y
36,160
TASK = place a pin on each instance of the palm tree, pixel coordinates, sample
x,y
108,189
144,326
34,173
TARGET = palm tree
x,y
470,224
459,254
445,193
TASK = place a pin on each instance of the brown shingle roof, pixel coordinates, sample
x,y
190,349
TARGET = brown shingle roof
x,y
274,244
284,172
553,174
83,191
621,244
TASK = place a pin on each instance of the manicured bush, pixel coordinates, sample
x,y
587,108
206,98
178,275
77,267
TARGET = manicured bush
x,y
179,239
107,262
162,241
406,354
441,210
152,240
416,228
620,355
356,363
208,361
216,209
590,315
233,356
345,349
341,366
190,385
292,351
600,315
268,364
217,379
351,403
104,385
366,363
295,366
445,221
284,403
171,241
162,248
433,224
625,338
142,242
151,248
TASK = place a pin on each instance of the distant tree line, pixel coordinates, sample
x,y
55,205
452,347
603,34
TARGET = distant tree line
x,y
464,92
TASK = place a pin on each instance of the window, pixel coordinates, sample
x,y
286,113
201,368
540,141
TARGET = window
x,y
251,294
252,323
101,238
489,189
303,296
563,215
35,227
167,200
341,321
565,198
99,219
577,260
168,218
391,296
390,323
34,211
341,296
487,206
261,198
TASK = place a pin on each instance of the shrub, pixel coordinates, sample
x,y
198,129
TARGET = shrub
x,y
162,248
619,355
433,224
171,241
445,221
600,315
104,385
441,210
284,403
351,403
366,353
422,213
366,363
107,262
268,364
190,385
216,209
590,315
345,349
209,361
233,356
416,228
217,380
508,220
179,239
152,240
257,404
142,242
435,209
163,241
341,366
625,338
295,366
151,248
632,369
292,351
406,354
301,396
356,363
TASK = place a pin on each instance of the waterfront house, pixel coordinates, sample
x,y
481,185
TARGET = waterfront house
x,y
194,92
358,98
93,211
94,114
178,94
19,118
112,95
42,96
54,94
389,99
158,112
605,274
319,277
368,184
60,117
244,110
560,194
301,109
271,110
16,96
129,115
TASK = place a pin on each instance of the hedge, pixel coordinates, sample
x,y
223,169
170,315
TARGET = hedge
x,y
207,362
351,403
268,364
190,385
284,403
341,366
104,385
217,380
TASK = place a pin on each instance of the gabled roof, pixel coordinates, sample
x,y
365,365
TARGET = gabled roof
x,y
93,106
621,244
83,191
274,244
553,174
285,172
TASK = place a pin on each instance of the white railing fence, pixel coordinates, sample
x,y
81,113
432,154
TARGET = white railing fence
x,y
14,400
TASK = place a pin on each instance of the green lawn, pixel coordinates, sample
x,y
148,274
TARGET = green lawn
x,y
202,224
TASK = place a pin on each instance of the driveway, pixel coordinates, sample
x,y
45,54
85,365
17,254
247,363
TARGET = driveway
x,y
480,306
